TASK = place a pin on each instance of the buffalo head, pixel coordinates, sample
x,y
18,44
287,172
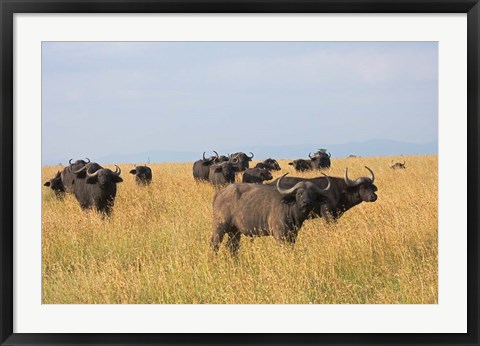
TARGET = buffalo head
x,y
364,185
104,177
306,194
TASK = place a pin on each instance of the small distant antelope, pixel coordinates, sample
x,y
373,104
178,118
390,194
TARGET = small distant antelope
x,y
397,165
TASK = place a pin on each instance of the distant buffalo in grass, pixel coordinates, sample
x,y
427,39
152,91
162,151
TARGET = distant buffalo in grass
x,y
269,164
223,172
96,187
242,160
256,175
301,165
397,165
56,185
201,168
143,175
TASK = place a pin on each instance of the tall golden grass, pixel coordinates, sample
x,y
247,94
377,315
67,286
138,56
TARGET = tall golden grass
x,y
155,246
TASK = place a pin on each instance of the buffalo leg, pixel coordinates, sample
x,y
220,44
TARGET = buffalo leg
x,y
217,236
233,242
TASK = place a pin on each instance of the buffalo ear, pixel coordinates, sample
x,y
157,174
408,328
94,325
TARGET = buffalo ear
x,y
47,184
133,171
91,180
117,179
290,163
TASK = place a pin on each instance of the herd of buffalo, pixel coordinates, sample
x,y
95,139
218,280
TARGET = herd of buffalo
x,y
250,208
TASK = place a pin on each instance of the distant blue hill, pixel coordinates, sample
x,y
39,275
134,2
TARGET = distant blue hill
x,y
375,147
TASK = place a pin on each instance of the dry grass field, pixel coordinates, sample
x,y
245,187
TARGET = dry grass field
x,y
155,247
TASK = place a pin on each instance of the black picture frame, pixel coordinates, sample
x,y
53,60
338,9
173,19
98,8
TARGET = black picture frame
x,y
9,7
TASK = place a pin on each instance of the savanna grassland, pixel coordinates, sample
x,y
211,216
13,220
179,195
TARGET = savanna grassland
x,y
155,246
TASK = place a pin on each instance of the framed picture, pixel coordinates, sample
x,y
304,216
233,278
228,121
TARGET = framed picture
x,y
239,173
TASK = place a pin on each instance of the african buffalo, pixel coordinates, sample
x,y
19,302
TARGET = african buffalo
x,y
258,210
223,173
321,159
98,189
397,165
343,195
201,168
301,165
56,185
143,175
256,175
269,164
243,160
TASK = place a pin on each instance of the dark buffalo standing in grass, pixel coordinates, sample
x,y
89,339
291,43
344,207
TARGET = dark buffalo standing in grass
x,y
397,165
258,210
301,165
98,188
223,173
269,164
201,168
143,175
256,175
320,160
343,195
242,160
56,185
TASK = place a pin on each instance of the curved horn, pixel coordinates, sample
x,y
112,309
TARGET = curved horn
x,y
70,162
87,159
329,155
204,156
250,157
79,170
328,185
92,174
348,181
287,192
216,153
309,155
372,176
319,190
117,170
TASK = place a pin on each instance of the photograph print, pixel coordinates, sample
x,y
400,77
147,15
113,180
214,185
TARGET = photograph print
x,y
239,172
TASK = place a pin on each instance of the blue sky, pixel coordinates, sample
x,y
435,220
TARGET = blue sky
x,y
104,98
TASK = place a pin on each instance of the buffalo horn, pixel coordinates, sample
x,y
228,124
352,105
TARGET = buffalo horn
x,y
204,156
310,155
70,162
348,181
372,176
329,155
291,190
216,154
80,170
87,159
250,157
117,170
92,174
